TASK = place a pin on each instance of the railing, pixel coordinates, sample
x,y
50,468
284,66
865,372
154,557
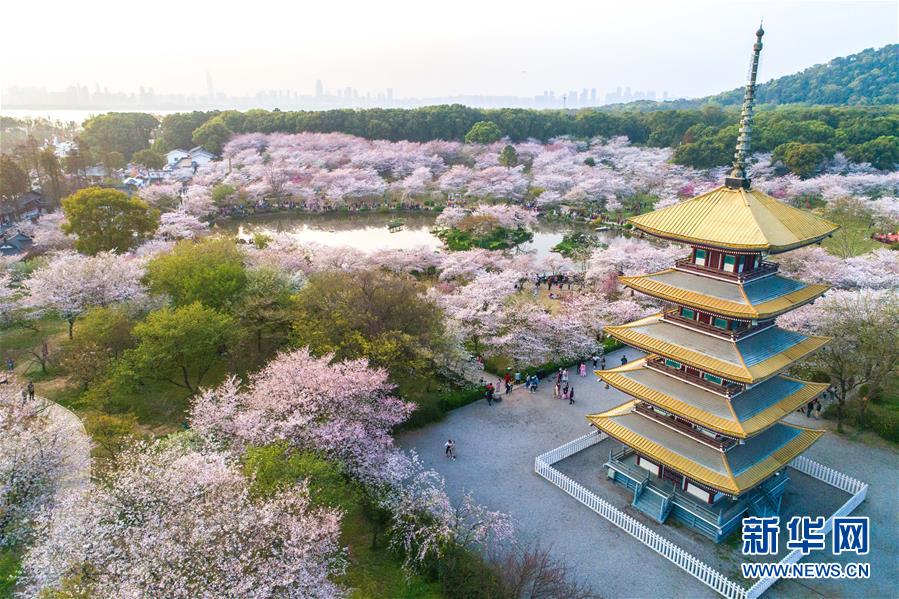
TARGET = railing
x,y
858,489
687,562
684,560
728,390
764,269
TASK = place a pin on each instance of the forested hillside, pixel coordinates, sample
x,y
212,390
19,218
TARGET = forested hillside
x,y
869,77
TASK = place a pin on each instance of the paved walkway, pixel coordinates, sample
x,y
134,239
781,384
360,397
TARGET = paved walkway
x,y
496,447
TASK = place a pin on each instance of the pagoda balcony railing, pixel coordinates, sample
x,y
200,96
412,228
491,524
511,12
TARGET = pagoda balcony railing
x,y
718,442
732,335
728,390
764,269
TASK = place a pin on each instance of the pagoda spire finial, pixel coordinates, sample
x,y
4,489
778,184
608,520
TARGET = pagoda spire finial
x,y
738,178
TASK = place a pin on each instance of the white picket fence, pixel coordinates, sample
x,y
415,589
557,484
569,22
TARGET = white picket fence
x,y
856,488
684,560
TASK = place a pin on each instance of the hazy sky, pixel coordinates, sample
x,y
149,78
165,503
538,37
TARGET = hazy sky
x,y
426,48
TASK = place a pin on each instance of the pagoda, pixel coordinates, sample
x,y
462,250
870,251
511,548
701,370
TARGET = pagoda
x,y
702,439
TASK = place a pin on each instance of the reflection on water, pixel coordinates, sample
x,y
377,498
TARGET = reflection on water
x,y
368,231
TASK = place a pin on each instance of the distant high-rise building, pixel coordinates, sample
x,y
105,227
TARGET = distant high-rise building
x,y
593,95
319,88
210,91
389,94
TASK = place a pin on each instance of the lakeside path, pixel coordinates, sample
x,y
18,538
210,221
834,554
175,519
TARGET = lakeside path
x,y
496,447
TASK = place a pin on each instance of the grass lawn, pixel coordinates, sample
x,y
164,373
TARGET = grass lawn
x,y
852,239
376,573
9,571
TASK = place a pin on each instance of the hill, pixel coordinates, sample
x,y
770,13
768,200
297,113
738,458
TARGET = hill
x,y
870,77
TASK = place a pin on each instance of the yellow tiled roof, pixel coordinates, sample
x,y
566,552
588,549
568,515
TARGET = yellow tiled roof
x,y
734,370
709,303
718,475
730,425
740,219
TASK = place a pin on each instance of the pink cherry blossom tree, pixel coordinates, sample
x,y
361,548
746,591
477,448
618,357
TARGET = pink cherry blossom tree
x,y
47,233
179,521
42,456
71,283
180,225
345,410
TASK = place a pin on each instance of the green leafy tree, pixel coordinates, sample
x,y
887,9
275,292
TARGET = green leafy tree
x,y
210,271
149,159
107,219
111,434
264,309
52,171
803,159
213,135
176,130
78,159
483,132
13,181
122,132
222,193
882,152
179,345
371,314
105,334
508,157
113,161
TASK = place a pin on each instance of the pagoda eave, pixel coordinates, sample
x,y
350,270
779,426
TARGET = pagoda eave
x,y
746,310
697,407
734,472
654,335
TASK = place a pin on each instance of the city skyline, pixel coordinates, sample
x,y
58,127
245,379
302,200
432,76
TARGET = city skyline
x,y
473,50
83,96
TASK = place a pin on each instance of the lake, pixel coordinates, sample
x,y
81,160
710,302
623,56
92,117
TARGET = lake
x,y
368,231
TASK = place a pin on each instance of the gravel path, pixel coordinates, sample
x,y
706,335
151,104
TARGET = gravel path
x,y
496,446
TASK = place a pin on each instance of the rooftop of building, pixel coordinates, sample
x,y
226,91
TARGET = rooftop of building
x,y
748,359
732,472
743,415
757,299
736,219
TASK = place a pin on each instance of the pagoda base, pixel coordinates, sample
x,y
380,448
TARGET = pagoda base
x,y
660,499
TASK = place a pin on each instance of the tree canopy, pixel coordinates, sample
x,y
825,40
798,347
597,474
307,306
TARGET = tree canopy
x,y
178,345
371,314
122,132
107,219
210,271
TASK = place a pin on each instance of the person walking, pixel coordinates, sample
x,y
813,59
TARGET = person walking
x,y
565,377
571,396
10,365
31,390
602,363
623,360
595,360
817,409
808,408
449,449
557,390
489,394
582,369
